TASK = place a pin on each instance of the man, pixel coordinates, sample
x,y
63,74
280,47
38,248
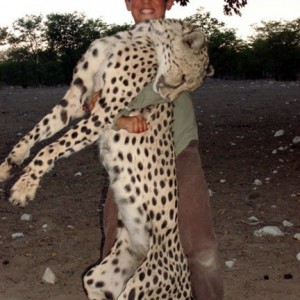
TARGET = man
x,y
195,221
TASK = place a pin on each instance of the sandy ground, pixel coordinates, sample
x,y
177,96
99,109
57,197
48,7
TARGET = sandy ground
x,y
237,123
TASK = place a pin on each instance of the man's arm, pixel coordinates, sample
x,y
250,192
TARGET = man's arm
x,y
137,124
134,124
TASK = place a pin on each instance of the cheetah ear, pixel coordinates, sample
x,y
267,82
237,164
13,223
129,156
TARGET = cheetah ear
x,y
194,40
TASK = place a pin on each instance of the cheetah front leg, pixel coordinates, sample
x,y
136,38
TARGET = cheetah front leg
x,y
84,82
59,117
85,133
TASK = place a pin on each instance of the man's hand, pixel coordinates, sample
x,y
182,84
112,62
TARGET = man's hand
x,y
135,124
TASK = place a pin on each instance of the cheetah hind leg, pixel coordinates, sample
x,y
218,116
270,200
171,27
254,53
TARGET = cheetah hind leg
x,y
158,279
107,279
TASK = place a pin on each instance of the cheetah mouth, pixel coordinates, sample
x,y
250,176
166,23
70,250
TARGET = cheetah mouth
x,y
162,84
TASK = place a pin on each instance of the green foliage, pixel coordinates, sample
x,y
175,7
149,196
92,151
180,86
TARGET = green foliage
x,y
224,50
3,35
279,42
19,54
230,6
44,51
17,73
26,43
223,44
234,6
272,53
51,70
27,34
69,35
205,22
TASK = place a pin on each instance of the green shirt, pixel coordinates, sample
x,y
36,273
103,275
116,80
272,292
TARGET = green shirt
x,y
184,128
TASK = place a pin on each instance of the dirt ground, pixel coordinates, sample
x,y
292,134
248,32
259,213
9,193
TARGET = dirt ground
x,y
237,125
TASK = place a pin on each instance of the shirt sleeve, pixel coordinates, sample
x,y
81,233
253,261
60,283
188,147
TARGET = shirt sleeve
x,y
145,98
124,112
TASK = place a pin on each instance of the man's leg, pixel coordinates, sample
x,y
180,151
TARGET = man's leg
x,y
110,221
196,226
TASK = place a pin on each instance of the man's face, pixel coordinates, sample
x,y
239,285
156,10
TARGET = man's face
x,y
143,10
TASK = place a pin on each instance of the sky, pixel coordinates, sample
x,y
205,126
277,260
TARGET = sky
x,y
114,11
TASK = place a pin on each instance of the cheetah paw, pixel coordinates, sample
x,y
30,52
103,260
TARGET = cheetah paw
x,y
23,190
19,154
5,171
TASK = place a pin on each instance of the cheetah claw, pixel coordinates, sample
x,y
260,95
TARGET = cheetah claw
x,y
23,190
5,171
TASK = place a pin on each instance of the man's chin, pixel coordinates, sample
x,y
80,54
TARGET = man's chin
x,y
146,17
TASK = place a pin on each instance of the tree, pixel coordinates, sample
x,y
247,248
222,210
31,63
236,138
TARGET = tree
x,y
278,42
48,51
224,49
205,22
222,43
229,6
3,35
27,41
69,35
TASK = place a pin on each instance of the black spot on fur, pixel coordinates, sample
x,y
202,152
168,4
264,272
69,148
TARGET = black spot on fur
x,y
46,121
116,137
86,65
120,155
127,188
141,276
116,170
74,135
89,273
33,176
63,103
120,223
99,284
95,52
115,90
38,162
78,81
129,157
109,295
131,295
64,116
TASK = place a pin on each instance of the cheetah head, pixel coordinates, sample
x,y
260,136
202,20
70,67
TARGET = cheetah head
x,y
186,66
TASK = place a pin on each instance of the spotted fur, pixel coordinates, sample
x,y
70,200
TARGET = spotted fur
x,y
146,261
